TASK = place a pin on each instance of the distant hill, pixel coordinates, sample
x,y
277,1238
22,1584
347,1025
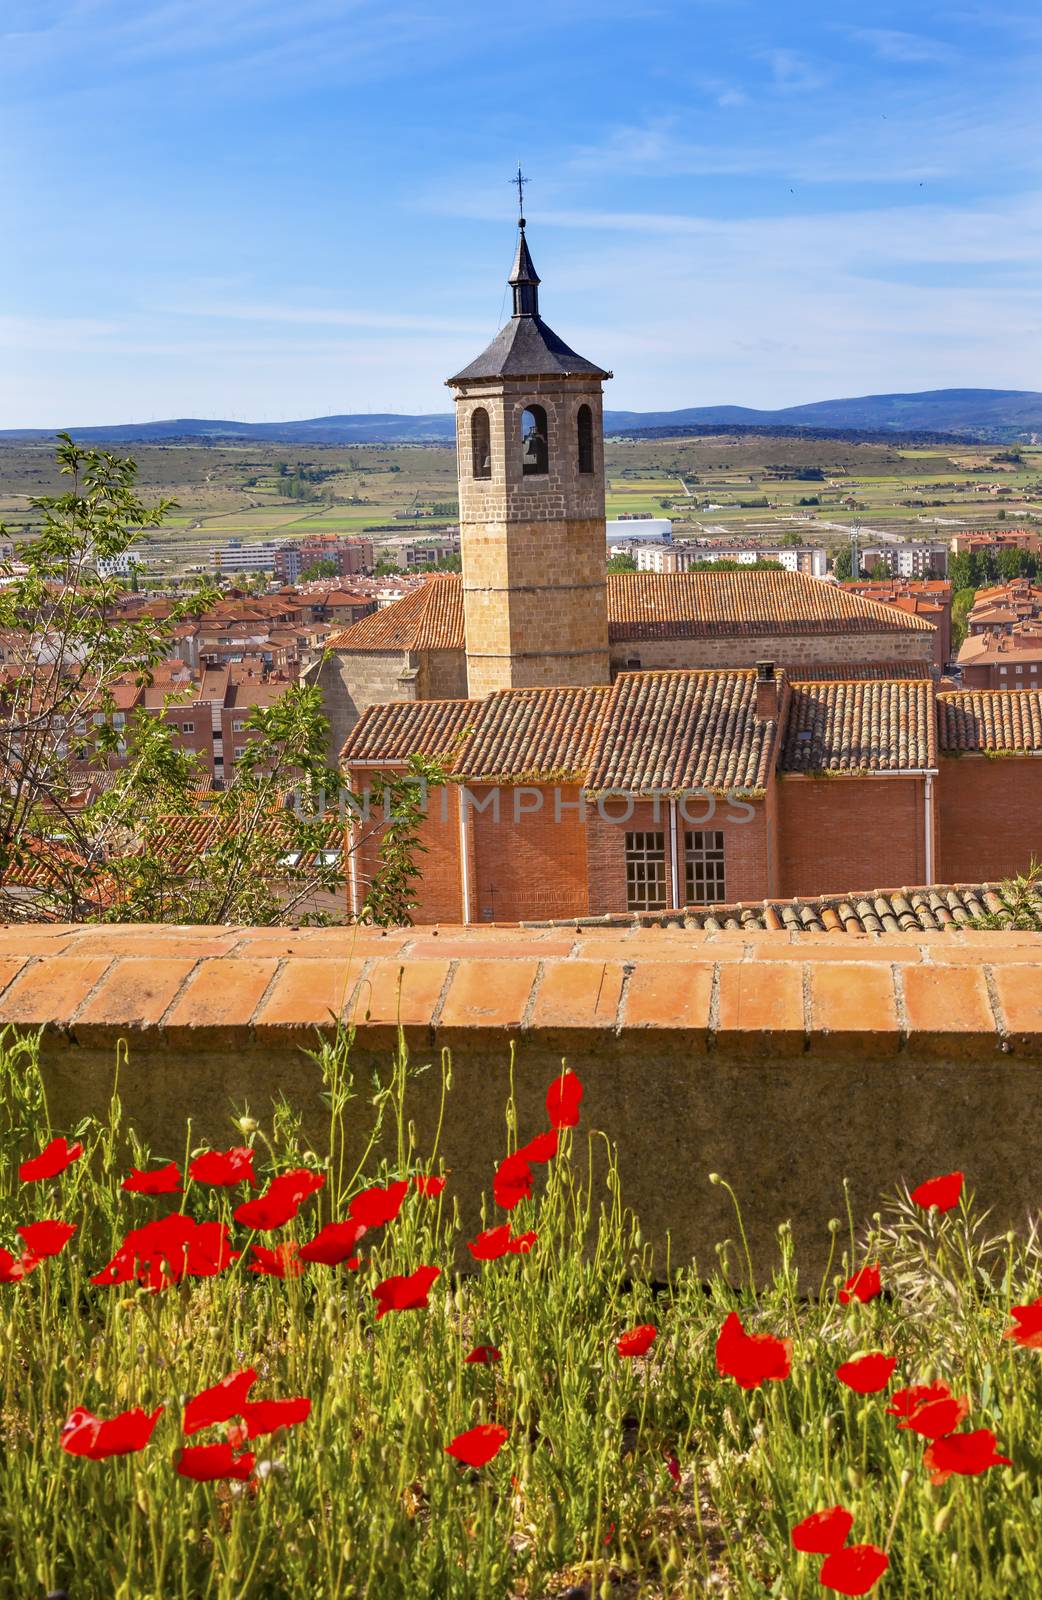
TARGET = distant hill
x,y
986,415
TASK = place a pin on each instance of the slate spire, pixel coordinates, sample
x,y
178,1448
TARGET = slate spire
x,y
524,279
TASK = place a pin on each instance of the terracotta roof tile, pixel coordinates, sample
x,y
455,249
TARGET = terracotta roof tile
x,y
935,909
990,719
429,617
677,731
392,733
650,605
863,726
524,735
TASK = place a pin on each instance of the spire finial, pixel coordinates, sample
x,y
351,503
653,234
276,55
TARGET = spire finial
x,y
520,180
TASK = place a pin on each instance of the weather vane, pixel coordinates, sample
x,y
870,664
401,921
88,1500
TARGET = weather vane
x,y
520,180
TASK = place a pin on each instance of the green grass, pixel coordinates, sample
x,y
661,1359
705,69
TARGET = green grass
x,y
362,1500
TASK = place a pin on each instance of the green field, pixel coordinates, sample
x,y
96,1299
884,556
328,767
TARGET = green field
x,y
238,493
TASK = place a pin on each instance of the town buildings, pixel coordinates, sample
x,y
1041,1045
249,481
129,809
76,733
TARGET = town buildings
x,y
654,740
907,558
1003,647
811,559
929,598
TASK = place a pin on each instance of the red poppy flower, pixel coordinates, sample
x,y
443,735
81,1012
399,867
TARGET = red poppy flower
x,y
673,1468
12,1270
375,1206
209,1463
223,1168
406,1292
854,1570
751,1358
46,1238
904,1401
867,1374
217,1404
491,1244
940,1192
236,1435
282,1262
477,1446
281,1200
638,1341
161,1180
512,1182
522,1243
936,1417
482,1355
87,1435
968,1454
865,1285
562,1101
169,1249
431,1187
333,1245
264,1416
52,1160
542,1148
823,1531
1028,1325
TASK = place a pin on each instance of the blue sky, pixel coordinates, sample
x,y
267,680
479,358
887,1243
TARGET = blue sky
x,y
283,208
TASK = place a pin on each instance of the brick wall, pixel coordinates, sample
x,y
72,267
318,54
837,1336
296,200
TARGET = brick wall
x,y
440,889
989,815
839,833
766,1057
748,846
529,861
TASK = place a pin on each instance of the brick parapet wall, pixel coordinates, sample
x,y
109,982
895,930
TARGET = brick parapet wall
x,y
785,1061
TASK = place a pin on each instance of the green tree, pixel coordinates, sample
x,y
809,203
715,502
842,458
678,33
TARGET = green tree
x,y
1011,564
961,605
318,569
622,563
122,855
841,565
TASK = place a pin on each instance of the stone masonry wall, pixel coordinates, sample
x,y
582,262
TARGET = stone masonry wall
x,y
535,600
785,1062
792,651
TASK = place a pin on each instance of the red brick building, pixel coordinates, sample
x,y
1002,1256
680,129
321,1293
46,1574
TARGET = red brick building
x,y
929,598
674,789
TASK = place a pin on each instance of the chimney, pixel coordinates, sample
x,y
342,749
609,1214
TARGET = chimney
x,y
766,692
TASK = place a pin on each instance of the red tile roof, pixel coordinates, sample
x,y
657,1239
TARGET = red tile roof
x,y
392,733
650,605
860,727
990,719
673,732
429,617
670,605
651,731
524,735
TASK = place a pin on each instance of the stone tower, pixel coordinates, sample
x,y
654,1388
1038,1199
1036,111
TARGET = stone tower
x,y
529,440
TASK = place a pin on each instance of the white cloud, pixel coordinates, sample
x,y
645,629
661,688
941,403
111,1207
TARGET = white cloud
x,y
911,49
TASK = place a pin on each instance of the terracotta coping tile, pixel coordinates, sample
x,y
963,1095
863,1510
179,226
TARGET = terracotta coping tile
x,y
454,944
308,993
947,1008
872,953
51,989
221,995
15,939
1019,994
133,994
761,1007
488,994
578,994
660,997
853,1007
395,992
150,941
10,967
345,944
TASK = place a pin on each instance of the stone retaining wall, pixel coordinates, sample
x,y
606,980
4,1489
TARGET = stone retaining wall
x,y
783,1061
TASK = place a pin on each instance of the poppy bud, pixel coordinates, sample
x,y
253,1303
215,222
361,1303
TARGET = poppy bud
x,y
854,1478
247,1124
714,1177
834,1224
941,1520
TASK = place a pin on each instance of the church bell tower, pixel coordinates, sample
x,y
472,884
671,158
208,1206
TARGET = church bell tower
x,y
529,441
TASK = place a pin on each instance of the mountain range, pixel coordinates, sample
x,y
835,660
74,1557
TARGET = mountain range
x,y
986,415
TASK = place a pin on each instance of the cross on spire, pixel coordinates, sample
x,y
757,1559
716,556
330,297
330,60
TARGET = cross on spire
x,y
520,180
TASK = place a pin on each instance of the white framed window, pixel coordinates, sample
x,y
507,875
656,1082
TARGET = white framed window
x,y
704,882
646,871
188,727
